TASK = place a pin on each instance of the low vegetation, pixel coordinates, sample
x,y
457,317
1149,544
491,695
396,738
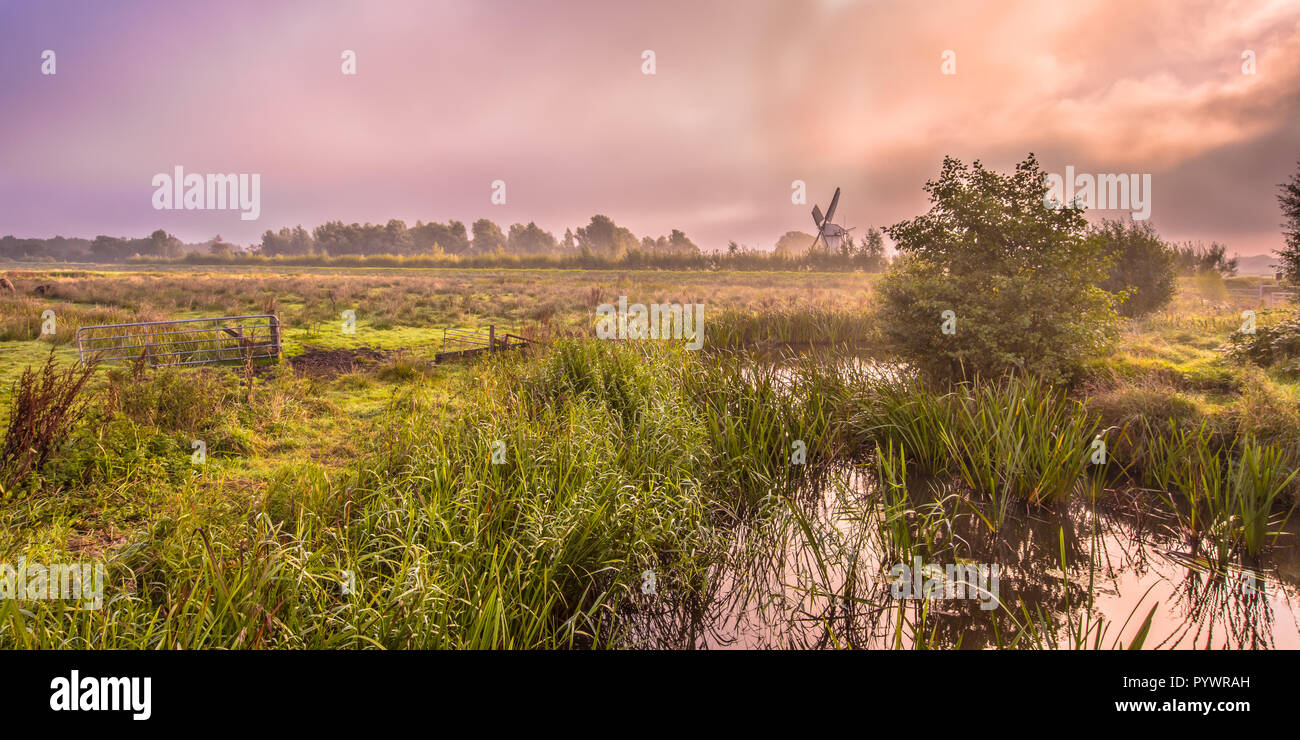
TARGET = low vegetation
x,y
966,300
605,494
44,408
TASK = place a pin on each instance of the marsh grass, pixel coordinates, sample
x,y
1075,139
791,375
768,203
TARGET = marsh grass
x,y
1020,441
311,300
606,473
1015,440
619,457
1228,495
1261,475
800,325
903,411
896,510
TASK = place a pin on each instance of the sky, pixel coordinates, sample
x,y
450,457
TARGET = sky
x,y
551,98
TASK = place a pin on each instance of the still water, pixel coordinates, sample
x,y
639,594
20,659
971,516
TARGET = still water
x,y
820,577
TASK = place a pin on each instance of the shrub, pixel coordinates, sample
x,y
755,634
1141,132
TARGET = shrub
x,y
45,407
1020,278
1144,269
1270,345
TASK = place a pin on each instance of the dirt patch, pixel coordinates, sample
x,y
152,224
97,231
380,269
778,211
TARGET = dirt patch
x,y
328,363
95,544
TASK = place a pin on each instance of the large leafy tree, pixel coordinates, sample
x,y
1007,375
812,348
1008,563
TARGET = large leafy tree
x,y
1289,199
1020,278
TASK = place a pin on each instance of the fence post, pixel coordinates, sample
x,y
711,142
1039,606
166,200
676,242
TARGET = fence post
x,y
492,338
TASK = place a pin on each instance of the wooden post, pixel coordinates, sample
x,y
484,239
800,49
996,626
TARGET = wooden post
x,y
492,338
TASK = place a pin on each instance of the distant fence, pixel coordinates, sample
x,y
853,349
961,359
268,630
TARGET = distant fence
x,y
467,342
182,342
463,339
1266,295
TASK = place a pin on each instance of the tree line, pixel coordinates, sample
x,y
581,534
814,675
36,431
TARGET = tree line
x,y
600,241
1138,257
100,249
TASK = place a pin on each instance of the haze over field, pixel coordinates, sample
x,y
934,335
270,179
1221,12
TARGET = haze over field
x,y
510,324
552,100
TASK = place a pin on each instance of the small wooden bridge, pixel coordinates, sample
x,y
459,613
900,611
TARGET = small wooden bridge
x,y
458,343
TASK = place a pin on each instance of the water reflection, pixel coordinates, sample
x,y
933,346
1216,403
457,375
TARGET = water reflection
x,y
816,575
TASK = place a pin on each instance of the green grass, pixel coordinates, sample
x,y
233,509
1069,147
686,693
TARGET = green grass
x,y
618,458
18,355
602,475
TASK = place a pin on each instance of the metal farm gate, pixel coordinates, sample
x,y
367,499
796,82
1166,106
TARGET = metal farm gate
x,y
183,342
469,342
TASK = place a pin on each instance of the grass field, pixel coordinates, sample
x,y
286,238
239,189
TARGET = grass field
x,y
356,494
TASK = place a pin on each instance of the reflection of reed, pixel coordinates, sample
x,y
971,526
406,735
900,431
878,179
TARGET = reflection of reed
x,y
817,577
1234,602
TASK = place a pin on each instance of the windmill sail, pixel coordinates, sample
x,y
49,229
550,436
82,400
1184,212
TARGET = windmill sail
x,y
835,201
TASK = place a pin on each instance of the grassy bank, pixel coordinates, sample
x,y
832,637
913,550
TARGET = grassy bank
x,y
521,501
527,511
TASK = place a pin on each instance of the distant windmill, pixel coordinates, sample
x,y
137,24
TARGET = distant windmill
x,y
831,233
